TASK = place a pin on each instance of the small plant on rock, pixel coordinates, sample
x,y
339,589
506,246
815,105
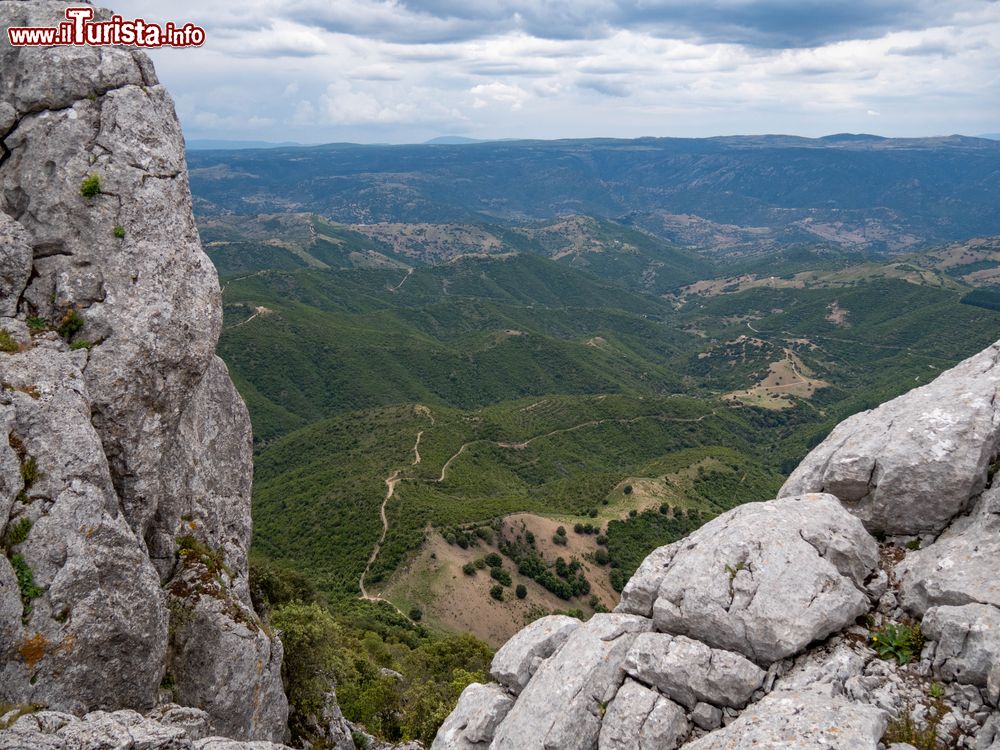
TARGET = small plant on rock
x,y
118,232
899,642
70,324
7,342
906,730
90,186
37,325
17,532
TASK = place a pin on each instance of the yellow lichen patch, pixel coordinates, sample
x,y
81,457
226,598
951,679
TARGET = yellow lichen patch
x,y
33,649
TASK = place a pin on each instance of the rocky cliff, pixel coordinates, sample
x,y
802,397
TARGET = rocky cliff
x,y
125,459
860,609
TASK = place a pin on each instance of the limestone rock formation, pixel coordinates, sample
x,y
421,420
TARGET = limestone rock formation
x,y
176,729
125,459
914,463
785,623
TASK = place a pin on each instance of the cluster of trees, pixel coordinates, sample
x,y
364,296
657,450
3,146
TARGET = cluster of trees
x,y
566,582
397,680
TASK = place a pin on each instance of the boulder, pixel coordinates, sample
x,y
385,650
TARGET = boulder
x,y
960,567
560,708
767,579
640,592
914,463
800,720
124,730
963,642
516,661
689,672
642,719
474,720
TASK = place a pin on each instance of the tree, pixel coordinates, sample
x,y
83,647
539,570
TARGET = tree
x,y
415,614
521,591
497,592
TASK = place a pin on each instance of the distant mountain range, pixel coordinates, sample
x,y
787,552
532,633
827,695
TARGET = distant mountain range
x,y
862,192
224,145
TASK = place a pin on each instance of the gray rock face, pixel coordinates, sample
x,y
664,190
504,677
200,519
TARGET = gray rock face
x,y
139,440
914,463
640,592
15,264
95,633
799,720
964,642
560,707
766,579
689,672
474,720
516,661
122,730
641,719
960,567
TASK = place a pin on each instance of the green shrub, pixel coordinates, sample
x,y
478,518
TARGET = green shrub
x,y
360,740
480,563
29,471
118,232
561,531
521,591
273,586
501,576
195,550
559,539
497,592
7,342
81,344
627,489
70,324
416,614
899,642
25,583
494,560
17,532
469,569
310,636
601,557
905,730
90,186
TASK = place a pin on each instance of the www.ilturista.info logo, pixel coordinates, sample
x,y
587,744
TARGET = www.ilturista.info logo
x,y
80,30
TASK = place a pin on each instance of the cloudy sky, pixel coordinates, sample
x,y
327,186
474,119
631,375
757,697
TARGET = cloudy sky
x,y
403,71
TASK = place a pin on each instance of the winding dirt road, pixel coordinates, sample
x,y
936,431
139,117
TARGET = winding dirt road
x,y
394,478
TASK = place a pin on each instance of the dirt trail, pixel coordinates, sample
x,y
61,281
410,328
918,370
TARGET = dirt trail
x,y
416,449
591,423
394,478
409,273
257,311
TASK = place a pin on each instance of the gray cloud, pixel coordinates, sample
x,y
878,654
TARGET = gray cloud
x,y
604,86
767,24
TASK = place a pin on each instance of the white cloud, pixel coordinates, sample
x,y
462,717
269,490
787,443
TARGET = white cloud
x,y
326,79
